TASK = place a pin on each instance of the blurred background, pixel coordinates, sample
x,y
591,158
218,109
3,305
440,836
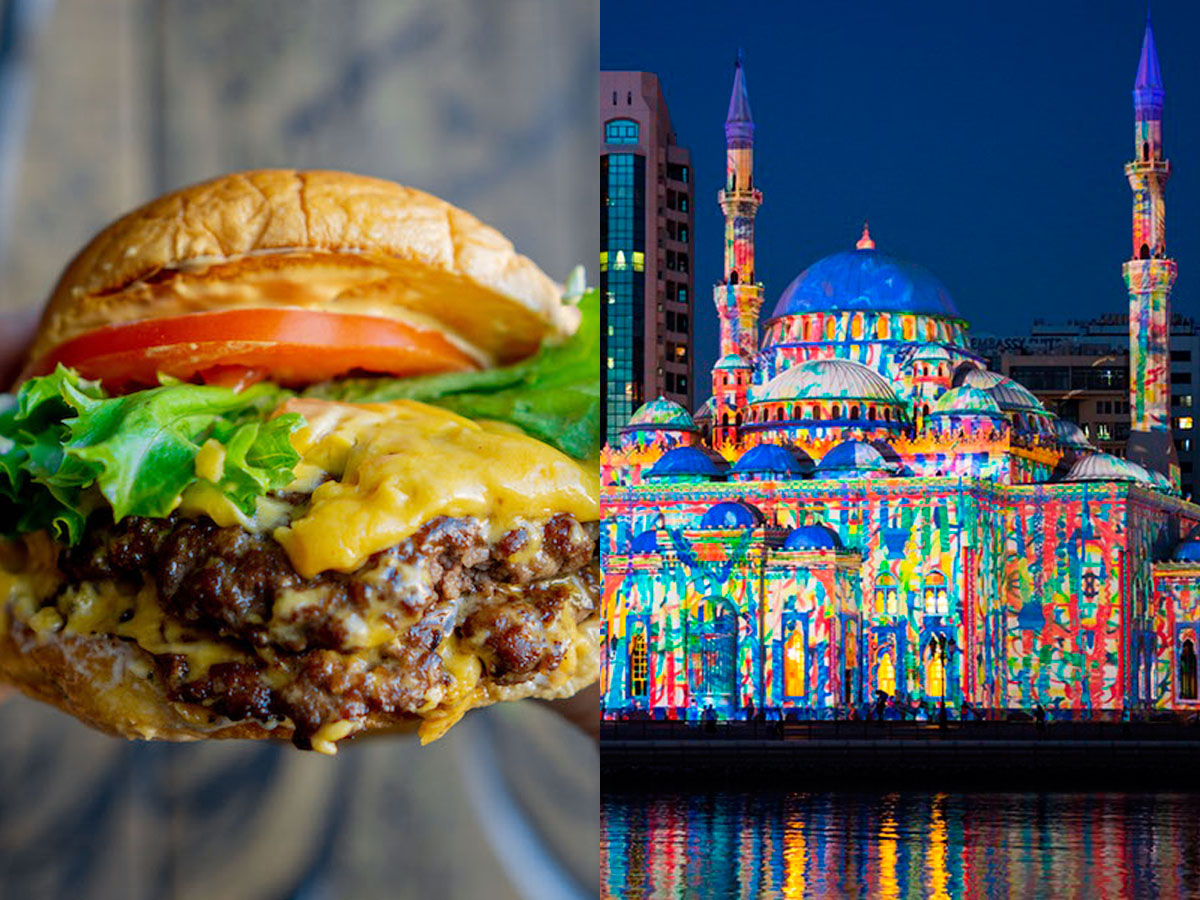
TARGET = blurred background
x,y
105,104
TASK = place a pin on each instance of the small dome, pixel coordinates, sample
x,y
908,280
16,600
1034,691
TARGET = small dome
x,y
689,461
828,379
1106,467
771,458
865,280
1188,550
966,400
930,353
731,514
662,414
852,459
644,542
1011,396
732,361
1070,435
1140,473
704,412
812,537
1161,481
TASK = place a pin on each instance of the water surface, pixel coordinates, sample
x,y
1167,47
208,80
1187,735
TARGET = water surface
x,y
906,844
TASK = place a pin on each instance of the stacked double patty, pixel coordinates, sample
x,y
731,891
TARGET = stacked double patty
x,y
228,584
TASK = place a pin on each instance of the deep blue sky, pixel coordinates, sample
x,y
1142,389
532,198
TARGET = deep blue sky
x,y
983,141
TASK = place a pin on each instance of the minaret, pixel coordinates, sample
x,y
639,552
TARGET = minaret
x,y
738,295
1149,275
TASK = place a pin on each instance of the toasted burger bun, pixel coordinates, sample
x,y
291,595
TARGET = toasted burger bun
x,y
106,647
319,240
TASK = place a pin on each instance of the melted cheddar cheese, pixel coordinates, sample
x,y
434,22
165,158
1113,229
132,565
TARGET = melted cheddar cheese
x,y
376,473
392,467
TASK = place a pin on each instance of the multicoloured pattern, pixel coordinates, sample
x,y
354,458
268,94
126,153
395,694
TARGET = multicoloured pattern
x,y
1149,275
985,553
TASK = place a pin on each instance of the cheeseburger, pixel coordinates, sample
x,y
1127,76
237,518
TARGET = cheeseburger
x,y
300,455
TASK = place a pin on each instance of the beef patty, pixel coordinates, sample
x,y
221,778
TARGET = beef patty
x,y
302,638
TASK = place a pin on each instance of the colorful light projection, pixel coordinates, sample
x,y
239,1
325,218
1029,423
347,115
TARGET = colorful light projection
x,y
981,551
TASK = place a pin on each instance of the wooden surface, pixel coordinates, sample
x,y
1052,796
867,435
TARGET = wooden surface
x,y
488,103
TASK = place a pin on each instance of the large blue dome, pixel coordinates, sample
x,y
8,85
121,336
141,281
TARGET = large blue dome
x,y
866,280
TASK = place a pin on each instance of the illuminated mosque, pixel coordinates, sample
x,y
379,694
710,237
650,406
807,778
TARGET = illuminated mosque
x,y
863,507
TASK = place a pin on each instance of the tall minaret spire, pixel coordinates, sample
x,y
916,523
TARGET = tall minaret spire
x,y
1149,275
738,295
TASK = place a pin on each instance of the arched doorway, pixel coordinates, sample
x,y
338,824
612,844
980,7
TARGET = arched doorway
x,y
935,668
886,675
712,653
1187,671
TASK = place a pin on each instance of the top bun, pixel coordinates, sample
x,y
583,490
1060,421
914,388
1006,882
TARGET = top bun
x,y
319,239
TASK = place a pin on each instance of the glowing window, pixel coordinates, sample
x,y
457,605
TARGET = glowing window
x,y
910,328
794,661
856,326
1185,423
621,131
887,595
937,598
639,260
830,328
881,328
638,669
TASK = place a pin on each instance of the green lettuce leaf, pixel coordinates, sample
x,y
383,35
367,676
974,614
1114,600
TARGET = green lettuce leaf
x,y
553,396
67,449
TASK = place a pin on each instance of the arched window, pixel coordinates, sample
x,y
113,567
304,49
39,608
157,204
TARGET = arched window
x,y
930,330
910,328
1145,251
853,412
937,602
871,413
887,414
621,131
733,276
856,326
816,412
836,412
881,327
638,664
1187,671
830,328
1145,151
795,659
887,595
925,409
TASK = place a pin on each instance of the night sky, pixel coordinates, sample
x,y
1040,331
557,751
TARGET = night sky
x,y
983,141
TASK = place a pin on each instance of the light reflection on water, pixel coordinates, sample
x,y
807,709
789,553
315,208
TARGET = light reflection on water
x,y
908,844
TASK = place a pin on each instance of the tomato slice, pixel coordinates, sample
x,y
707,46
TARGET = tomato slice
x,y
239,346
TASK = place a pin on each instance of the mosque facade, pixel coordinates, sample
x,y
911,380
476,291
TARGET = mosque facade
x,y
863,511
